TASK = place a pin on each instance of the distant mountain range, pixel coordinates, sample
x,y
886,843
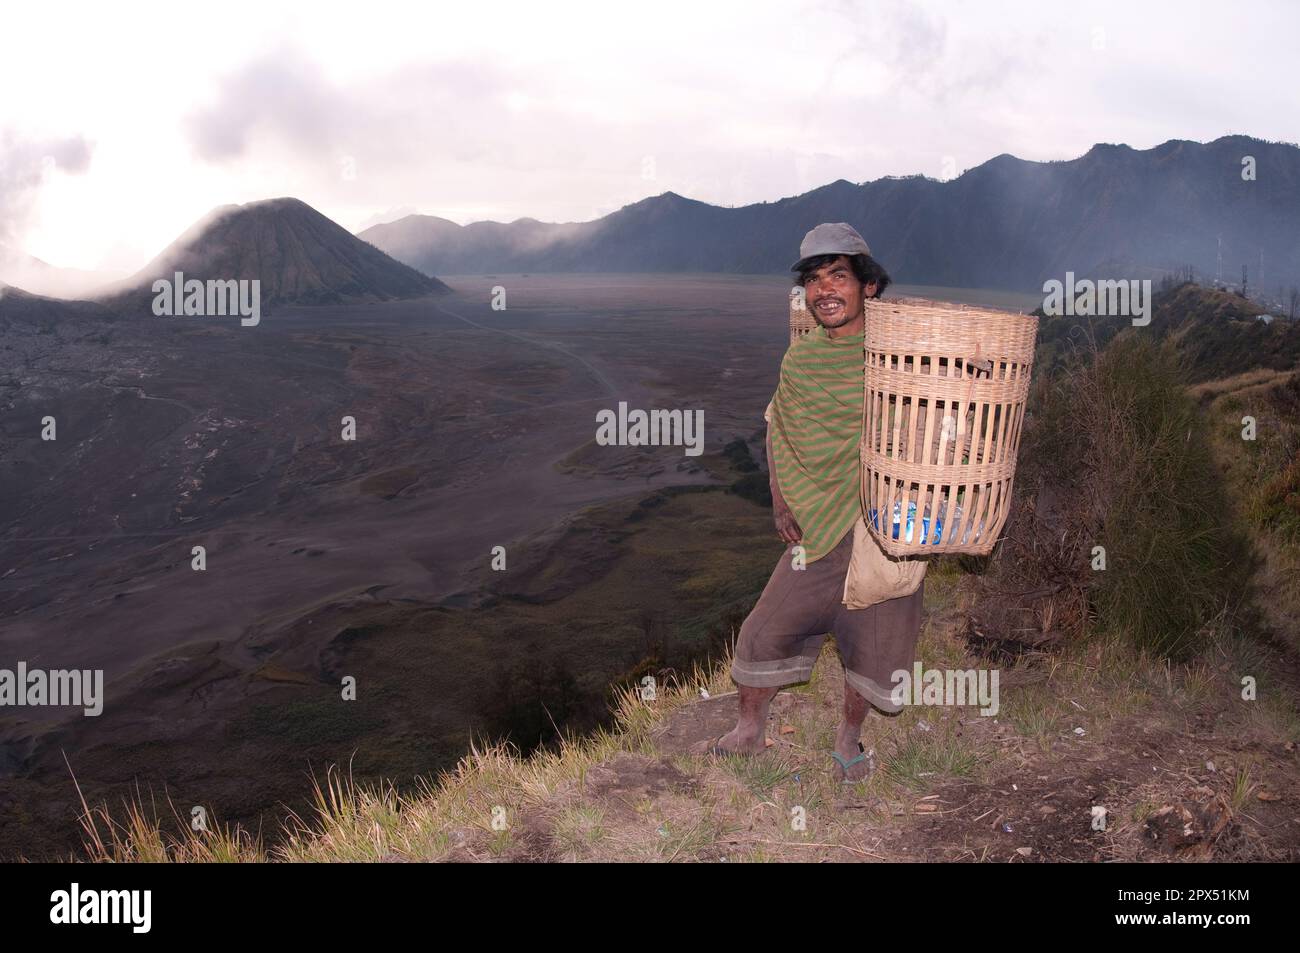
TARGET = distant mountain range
x,y
21,270
299,256
19,305
1007,223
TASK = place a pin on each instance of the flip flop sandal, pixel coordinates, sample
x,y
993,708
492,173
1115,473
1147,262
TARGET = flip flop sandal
x,y
863,756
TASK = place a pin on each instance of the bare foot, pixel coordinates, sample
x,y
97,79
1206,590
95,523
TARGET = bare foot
x,y
741,742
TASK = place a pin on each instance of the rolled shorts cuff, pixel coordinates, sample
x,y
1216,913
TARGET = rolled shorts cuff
x,y
882,698
786,671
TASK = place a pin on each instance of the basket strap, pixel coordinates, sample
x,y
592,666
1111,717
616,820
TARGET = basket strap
x,y
862,434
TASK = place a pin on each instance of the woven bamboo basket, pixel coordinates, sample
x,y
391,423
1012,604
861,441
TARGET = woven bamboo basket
x,y
801,319
944,402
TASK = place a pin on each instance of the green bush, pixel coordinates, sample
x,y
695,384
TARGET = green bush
x,y
1173,556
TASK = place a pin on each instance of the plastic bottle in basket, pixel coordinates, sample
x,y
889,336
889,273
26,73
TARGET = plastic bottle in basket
x,y
926,535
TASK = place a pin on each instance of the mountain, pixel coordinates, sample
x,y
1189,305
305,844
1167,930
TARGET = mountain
x,y
299,255
19,269
47,347
1007,223
18,305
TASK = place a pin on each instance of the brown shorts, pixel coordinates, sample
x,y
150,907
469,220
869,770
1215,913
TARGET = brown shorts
x,y
783,635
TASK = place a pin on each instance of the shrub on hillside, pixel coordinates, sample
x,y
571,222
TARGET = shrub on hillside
x,y
1174,559
1114,455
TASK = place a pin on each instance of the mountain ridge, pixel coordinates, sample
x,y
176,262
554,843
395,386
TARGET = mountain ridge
x,y
1005,223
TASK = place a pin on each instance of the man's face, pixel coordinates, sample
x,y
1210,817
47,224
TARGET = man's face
x,y
834,294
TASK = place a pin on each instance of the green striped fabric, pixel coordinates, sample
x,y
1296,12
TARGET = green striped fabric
x,y
816,426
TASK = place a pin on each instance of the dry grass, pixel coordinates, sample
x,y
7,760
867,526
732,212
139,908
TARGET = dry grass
x,y
1245,384
498,806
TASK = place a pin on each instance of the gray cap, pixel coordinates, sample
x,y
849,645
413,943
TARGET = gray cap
x,y
831,238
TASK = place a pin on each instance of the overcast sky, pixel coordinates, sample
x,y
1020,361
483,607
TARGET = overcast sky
x,y
121,124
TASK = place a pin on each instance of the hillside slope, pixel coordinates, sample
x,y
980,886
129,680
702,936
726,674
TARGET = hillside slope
x,y
1217,333
299,255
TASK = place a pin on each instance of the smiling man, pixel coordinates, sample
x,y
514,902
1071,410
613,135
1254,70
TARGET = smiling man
x,y
813,438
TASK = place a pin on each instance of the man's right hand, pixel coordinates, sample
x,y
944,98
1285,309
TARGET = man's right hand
x,y
786,525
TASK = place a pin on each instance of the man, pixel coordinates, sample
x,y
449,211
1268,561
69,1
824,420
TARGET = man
x,y
813,437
